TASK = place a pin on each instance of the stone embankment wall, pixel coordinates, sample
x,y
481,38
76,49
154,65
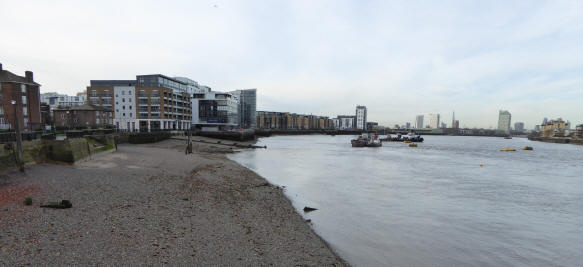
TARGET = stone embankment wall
x,y
270,132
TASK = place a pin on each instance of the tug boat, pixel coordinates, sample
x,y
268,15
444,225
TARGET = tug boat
x,y
366,140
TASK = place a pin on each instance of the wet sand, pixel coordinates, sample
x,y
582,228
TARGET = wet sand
x,y
152,205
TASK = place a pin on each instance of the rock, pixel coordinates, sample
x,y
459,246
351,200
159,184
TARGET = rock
x,y
308,209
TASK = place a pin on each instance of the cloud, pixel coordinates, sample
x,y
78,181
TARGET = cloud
x,y
322,57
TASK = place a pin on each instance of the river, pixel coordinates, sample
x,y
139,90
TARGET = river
x,y
434,205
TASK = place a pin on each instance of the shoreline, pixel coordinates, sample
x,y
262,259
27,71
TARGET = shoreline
x,y
152,204
558,140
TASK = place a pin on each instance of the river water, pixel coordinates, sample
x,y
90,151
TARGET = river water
x,y
434,205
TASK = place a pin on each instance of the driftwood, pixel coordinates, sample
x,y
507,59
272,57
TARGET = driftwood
x,y
64,204
308,209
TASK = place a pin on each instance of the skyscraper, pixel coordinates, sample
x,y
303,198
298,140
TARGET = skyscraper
x,y
434,121
504,119
419,122
361,117
519,126
247,107
453,119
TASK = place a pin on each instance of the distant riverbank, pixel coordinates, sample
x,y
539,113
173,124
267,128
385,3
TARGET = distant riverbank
x,y
557,140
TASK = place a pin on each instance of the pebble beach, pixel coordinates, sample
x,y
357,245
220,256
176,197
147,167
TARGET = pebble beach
x,y
153,205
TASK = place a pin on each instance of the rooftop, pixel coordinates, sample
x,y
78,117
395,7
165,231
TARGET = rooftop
x,y
7,76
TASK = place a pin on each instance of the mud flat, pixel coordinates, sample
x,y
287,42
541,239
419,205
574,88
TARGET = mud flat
x,y
152,205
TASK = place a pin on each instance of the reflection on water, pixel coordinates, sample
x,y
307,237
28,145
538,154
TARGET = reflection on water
x,y
434,205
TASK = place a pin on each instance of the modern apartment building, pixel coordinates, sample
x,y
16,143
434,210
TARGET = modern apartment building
x,y
19,100
149,103
347,122
434,121
361,117
519,126
215,109
419,122
54,99
247,107
504,119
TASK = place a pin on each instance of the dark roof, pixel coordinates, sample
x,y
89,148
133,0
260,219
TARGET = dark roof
x,y
7,76
113,82
82,107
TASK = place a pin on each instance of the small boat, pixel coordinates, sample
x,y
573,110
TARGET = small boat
x,y
507,149
407,141
527,148
412,145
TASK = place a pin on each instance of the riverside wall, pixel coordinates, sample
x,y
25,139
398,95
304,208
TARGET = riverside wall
x,y
68,151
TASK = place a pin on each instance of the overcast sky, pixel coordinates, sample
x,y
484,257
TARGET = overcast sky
x,y
399,58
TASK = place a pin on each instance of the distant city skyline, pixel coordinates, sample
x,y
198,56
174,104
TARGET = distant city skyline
x,y
399,59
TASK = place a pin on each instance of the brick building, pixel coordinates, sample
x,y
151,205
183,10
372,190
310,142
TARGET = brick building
x,y
82,117
292,121
554,128
26,96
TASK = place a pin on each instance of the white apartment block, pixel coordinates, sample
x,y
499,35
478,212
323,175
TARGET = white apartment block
x,y
434,121
125,107
54,99
361,117
504,119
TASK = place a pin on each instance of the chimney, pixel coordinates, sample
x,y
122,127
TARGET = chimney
x,y
28,75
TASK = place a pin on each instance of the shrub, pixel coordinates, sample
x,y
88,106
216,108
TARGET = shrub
x,y
28,201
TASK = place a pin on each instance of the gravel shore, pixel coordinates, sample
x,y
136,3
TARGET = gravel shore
x,y
154,205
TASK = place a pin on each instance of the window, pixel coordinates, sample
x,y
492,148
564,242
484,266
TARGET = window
x,y
96,113
93,92
124,114
123,107
130,115
24,111
130,107
23,88
122,100
1,110
24,100
25,122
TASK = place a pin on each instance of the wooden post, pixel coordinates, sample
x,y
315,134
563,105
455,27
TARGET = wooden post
x,y
19,160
